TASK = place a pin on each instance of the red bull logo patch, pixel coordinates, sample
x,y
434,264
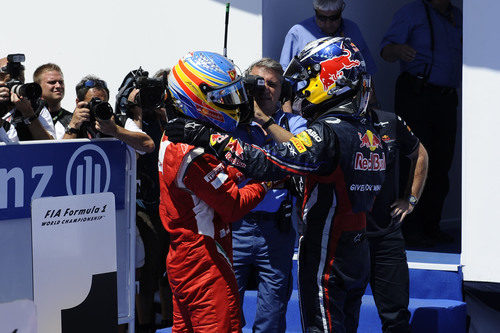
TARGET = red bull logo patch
x,y
217,138
332,69
374,163
369,140
235,147
234,161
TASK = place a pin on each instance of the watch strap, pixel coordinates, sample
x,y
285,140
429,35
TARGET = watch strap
x,y
268,123
71,130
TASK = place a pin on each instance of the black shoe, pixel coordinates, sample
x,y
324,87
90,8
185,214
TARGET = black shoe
x,y
441,237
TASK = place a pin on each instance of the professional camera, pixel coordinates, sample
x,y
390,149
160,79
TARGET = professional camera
x,y
31,91
99,109
254,85
14,68
151,92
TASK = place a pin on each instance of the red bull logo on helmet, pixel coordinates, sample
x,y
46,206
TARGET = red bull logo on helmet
x,y
332,69
369,140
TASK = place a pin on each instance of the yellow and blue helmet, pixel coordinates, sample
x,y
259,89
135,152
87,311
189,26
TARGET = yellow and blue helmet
x,y
206,86
335,73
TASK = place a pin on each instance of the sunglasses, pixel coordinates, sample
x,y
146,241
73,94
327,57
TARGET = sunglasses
x,y
94,83
333,18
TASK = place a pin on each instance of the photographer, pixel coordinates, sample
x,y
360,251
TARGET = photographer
x,y
93,117
143,102
20,117
269,224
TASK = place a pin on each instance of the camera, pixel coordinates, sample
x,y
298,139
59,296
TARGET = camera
x,y
254,85
31,91
14,68
151,92
99,109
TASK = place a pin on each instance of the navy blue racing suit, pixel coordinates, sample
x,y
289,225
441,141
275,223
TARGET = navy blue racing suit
x,y
343,160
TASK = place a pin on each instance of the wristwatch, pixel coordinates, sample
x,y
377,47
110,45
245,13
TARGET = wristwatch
x,y
412,200
268,123
71,130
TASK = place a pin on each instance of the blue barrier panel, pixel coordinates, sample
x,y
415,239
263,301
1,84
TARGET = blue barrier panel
x,y
30,171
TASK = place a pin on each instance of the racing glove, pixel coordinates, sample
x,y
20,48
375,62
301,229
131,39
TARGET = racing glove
x,y
184,130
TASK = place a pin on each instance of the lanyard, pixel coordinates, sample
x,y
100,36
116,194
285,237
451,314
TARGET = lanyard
x,y
58,116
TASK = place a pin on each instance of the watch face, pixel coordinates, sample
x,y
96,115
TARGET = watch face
x,y
412,200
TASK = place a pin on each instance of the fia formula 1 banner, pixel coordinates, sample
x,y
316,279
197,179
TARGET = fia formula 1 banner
x,y
49,169
74,263
40,170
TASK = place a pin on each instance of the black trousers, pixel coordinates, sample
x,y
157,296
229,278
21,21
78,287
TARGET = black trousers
x,y
431,113
332,280
389,280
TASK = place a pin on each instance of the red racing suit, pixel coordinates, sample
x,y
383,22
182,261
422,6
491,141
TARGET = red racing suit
x,y
199,198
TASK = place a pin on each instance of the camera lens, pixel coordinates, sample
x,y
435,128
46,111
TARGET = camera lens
x,y
100,109
103,111
31,91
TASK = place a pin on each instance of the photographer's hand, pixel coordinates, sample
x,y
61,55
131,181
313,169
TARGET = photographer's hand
x,y
107,127
140,141
23,105
135,109
278,133
80,115
4,93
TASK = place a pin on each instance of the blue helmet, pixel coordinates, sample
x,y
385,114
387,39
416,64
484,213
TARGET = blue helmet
x,y
206,86
335,75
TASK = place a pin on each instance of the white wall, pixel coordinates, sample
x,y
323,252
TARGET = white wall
x,y
481,123
110,38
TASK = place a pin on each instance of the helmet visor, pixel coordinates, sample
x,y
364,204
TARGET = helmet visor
x,y
228,97
295,71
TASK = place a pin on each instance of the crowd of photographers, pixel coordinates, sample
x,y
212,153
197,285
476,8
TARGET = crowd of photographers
x,y
33,111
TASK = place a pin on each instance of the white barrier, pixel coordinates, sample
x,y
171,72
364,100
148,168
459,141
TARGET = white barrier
x,y
70,173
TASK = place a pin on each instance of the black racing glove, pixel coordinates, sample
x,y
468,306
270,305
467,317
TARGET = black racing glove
x,y
189,131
